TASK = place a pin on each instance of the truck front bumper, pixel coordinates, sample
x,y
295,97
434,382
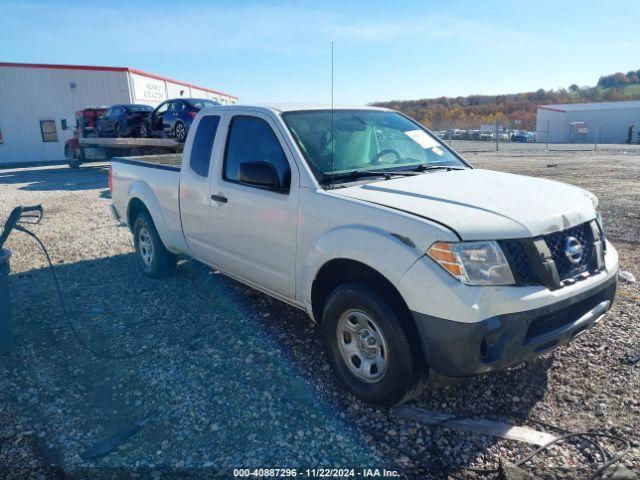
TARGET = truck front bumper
x,y
459,349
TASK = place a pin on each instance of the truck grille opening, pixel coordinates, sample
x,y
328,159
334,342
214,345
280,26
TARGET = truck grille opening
x,y
520,263
557,244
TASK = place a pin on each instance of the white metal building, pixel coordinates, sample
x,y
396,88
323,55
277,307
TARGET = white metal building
x,y
38,102
604,122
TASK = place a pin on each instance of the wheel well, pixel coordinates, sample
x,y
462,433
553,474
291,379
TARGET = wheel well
x,y
136,206
340,271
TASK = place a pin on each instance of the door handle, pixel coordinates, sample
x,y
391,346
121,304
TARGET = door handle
x,y
219,198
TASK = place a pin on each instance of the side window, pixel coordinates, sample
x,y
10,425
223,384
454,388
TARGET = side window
x,y
48,131
252,142
162,108
203,145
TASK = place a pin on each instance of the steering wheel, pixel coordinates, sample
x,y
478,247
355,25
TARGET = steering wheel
x,y
384,152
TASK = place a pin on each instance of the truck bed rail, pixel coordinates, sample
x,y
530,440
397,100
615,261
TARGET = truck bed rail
x,y
171,162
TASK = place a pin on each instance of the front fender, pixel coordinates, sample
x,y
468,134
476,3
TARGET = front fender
x,y
383,250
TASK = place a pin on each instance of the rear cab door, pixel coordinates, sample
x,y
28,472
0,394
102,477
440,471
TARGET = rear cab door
x,y
195,185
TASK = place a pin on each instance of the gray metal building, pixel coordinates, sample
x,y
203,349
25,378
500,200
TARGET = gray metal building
x,y
38,102
604,122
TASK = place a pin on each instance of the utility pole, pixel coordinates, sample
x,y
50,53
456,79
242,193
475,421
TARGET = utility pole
x,y
497,148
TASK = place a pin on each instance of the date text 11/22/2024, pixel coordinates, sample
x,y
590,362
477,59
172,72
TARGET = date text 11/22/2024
x,y
315,473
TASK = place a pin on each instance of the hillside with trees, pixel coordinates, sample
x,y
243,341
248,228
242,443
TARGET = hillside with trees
x,y
517,110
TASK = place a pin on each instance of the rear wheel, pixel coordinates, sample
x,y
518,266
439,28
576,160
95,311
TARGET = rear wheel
x,y
154,259
369,348
119,131
180,132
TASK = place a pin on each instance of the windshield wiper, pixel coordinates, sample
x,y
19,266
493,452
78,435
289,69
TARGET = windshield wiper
x,y
356,174
387,174
426,167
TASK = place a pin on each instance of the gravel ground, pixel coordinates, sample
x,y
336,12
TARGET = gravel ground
x,y
217,376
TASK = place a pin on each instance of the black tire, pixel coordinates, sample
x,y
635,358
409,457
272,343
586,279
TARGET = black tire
x,y
97,130
161,262
180,132
118,131
68,153
74,164
405,373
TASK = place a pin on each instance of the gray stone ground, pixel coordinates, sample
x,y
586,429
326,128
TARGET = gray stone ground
x,y
226,377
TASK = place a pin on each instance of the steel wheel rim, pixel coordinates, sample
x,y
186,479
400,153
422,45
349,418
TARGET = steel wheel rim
x,y
180,132
145,245
362,346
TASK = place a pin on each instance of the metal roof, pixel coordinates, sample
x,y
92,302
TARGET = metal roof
x,y
110,69
576,107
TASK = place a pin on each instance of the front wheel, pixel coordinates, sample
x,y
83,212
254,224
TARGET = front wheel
x,y
180,132
369,348
154,258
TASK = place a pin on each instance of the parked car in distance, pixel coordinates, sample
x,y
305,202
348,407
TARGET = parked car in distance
x,y
523,137
458,134
415,265
173,118
122,120
486,136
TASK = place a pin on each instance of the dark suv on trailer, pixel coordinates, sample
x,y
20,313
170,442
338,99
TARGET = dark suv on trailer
x,y
122,120
173,118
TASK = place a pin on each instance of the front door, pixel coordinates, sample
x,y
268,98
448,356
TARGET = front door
x,y
254,228
171,116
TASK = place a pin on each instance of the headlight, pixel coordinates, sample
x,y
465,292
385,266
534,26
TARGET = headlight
x,y
473,263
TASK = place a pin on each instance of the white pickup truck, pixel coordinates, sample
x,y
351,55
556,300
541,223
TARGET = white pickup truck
x,y
416,266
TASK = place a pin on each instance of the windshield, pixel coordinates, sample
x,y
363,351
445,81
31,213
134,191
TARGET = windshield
x,y
360,140
200,103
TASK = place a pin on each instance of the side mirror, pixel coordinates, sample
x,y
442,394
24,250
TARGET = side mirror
x,y
260,174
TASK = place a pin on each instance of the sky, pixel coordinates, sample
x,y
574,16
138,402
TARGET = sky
x,y
277,51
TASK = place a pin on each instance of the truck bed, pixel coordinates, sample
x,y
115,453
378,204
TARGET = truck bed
x,y
164,162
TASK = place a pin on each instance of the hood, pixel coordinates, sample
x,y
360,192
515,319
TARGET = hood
x,y
483,204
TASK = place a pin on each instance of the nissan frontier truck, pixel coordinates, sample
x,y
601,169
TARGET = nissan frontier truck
x,y
416,266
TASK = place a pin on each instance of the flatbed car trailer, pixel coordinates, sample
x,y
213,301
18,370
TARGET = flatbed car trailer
x,y
94,149
85,146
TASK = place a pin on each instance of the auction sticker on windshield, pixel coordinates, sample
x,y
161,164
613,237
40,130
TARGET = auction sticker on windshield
x,y
422,139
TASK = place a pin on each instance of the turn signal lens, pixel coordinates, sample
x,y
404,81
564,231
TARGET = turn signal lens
x,y
473,263
442,254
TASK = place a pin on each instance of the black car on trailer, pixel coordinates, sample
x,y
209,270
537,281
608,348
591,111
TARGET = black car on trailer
x,y
122,120
173,118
